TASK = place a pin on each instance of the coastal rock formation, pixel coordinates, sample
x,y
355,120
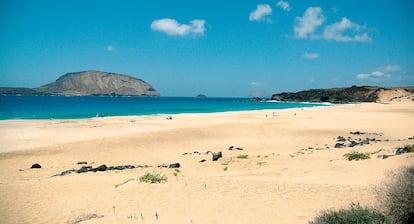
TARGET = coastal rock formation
x,y
347,95
89,83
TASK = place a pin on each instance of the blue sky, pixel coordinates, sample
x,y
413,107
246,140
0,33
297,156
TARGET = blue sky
x,y
218,48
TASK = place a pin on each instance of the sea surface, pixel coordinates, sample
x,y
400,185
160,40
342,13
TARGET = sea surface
x,y
61,107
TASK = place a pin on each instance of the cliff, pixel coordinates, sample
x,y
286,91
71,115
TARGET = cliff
x,y
346,95
89,83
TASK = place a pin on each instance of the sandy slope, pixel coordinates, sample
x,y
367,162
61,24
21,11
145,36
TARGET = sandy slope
x,y
282,181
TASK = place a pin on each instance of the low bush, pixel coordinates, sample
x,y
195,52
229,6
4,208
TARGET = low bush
x,y
355,214
396,196
242,156
153,178
354,155
406,149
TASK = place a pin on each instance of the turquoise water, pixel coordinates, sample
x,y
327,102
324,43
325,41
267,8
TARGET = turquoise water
x,y
60,107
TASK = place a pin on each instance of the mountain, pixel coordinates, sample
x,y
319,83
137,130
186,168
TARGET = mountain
x,y
347,95
90,83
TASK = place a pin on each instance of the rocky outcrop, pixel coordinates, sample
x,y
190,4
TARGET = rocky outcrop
x,y
90,83
340,95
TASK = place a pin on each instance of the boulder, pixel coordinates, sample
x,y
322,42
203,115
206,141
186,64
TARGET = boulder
x,y
340,139
174,165
340,145
101,168
36,166
216,156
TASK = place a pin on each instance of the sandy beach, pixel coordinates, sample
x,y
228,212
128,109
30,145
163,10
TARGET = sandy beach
x,y
292,172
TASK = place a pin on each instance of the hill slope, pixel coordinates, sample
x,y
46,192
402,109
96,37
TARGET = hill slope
x,y
346,95
97,83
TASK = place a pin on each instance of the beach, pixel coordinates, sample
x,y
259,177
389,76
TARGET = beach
x,y
292,171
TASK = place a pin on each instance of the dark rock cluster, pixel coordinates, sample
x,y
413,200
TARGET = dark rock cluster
x,y
343,142
102,168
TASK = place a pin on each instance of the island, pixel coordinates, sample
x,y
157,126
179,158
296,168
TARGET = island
x,y
89,83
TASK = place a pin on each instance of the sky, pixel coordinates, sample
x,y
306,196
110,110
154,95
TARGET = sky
x,y
218,48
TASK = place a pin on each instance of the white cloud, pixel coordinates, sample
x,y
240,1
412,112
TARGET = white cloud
x,y
309,22
391,68
284,5
110,48
261,13
345,31
173,28
258,84
310,55
383,72
373,75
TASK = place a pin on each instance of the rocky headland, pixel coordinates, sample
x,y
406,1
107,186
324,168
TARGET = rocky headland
x,y
348,95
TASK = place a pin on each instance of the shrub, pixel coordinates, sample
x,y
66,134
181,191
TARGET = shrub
x,y
396,196
242,156
406,149
355,214
153,178
354,155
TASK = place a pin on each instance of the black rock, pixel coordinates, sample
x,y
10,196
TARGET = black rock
x,y
239,148
36,166
101,168
202,161
84,169
340,145
231,148
119,168
384,156
340,139
216,156
357,133
353,143
82,163
162,166
174,165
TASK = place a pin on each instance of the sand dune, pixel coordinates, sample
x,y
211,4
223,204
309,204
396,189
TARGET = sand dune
x,y
292,171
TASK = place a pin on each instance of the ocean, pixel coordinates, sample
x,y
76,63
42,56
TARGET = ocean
x,y
61,107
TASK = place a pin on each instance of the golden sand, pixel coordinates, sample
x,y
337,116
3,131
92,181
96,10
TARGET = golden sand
x,y
292,171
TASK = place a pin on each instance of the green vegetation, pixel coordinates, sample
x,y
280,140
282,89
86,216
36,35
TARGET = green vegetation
x,y
355,214
396,196
395,201
354,155
153,178
242,156
176,172
406,149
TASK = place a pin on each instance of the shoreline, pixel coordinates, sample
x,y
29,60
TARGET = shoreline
x,y
290,161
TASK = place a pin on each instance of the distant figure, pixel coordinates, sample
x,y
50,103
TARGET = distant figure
x,y
97,115
169,118
295,114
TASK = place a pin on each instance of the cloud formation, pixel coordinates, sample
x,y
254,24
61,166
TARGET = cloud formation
x,y
283,5
261,13
110,48
254,84
173,28
306,25
383,72
345,31
310,56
